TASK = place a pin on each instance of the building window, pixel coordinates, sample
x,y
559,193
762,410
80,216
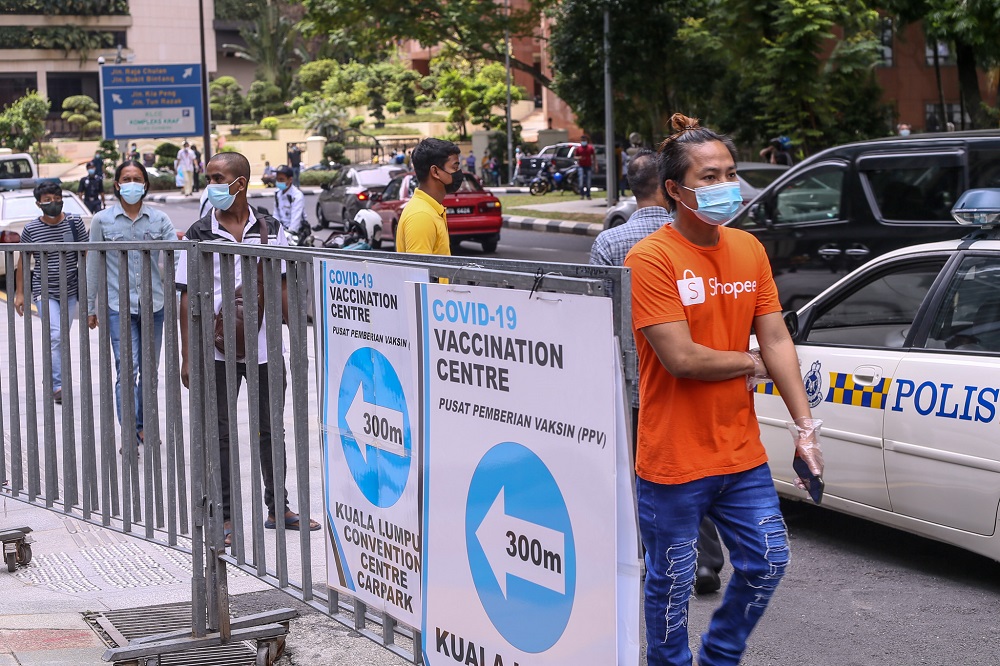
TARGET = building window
x,y
15,86
944,54
886,36
952,114
62,86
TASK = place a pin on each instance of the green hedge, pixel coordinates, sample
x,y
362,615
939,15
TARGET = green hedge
x,y
64,37
65,7
316,178
156,184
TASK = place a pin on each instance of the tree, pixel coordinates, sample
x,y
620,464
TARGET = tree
x,y
813,67
474,29
22,124
271,44
83,112
454,92
312,75
653,76
271,124
325,118
264,99
226,99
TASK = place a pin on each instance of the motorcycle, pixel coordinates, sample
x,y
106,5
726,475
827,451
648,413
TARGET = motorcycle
x,y
550,180
365,228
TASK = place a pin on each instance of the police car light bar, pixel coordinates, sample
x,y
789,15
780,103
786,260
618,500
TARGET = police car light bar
x,y
979,208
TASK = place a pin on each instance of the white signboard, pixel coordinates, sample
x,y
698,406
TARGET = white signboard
x,y
162,122
519,477
369,426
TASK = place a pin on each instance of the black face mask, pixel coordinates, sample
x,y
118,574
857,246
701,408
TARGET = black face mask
x,y
51,209
456,183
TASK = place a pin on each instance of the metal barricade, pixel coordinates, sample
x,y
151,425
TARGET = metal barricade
x,y
148,495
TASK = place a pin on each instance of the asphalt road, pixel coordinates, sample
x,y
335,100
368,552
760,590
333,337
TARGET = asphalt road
x,y
514,244
855,594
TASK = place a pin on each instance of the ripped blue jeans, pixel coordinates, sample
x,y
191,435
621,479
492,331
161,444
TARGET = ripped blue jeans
x,y
744,507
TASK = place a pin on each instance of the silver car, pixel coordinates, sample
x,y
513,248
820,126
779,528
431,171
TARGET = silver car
x,y
351,190
754,177
17,208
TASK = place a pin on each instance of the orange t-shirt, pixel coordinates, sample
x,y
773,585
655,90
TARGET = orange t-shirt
x,y
690,429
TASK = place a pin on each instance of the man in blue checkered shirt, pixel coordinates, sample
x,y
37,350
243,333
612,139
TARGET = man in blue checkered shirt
x,y
609,249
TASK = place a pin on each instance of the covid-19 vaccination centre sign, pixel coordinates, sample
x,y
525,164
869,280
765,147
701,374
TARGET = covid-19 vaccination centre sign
x,y
478,482
370,410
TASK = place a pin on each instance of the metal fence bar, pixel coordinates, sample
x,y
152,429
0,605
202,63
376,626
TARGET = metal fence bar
x,y
251,288
48,407
190,318
70,483
231,466
16,477
273,306
111,504
88,441
125,395
177,497
298,288
149,440
216,577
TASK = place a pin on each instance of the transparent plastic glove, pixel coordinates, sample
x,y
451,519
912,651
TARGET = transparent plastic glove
x,y
759,374
805,433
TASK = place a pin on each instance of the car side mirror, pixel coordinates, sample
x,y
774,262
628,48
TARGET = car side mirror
x,y
791,318
758,213
325,185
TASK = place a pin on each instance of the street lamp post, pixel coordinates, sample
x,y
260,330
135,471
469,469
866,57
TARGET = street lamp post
x,y
609,124
510,129
206,132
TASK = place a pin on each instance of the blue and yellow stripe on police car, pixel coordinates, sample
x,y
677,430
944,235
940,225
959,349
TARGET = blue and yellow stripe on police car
x,y
767,388
844,391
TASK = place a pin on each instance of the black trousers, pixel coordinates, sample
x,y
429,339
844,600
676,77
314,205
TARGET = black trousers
x,y
264,407
709,546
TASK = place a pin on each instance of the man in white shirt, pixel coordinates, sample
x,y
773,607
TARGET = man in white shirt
x,y
185,165
289,202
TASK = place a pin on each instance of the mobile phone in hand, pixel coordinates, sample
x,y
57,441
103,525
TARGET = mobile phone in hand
x,y
814,484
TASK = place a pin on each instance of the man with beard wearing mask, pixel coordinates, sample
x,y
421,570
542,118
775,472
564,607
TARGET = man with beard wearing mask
x,y
423,226
52,226
233,220
697,290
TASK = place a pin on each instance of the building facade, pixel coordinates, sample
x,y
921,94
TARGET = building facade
x,y
57,54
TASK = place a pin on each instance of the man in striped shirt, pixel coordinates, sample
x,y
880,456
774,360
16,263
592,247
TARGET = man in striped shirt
x,y
609,249
52,226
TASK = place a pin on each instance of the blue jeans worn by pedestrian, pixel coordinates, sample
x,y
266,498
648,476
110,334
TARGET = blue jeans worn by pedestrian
x,y
137,375
55,335
586,179
744,507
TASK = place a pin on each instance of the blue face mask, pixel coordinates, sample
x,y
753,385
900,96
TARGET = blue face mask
x,y
219,196
717,204
132,193
281,185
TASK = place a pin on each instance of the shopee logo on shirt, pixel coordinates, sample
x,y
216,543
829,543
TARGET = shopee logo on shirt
x,y
692,288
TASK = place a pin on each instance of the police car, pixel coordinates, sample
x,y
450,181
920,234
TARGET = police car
x,y
901,360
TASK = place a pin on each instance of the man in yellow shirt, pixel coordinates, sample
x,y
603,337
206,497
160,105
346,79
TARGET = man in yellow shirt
x,y
423,226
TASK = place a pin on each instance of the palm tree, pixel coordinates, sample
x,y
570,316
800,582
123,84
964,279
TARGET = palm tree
x,y
326,119
271,44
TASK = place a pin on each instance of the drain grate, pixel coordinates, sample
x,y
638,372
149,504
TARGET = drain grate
x,y
117,628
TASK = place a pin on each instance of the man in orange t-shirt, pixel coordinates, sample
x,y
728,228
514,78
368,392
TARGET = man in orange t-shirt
x,y
697,289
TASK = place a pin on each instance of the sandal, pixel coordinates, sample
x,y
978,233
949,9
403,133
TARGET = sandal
x,y
291,523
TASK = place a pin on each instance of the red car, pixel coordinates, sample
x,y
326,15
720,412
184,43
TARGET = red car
x,y
473,213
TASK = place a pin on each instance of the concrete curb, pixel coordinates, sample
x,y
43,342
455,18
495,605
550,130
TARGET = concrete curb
x,y
555,226
509,190
174,197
